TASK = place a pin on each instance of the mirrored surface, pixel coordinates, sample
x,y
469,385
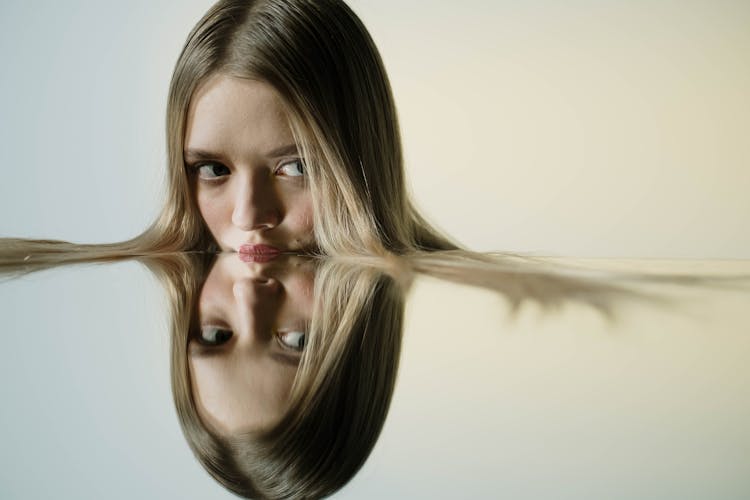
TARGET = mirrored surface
x,y
498,393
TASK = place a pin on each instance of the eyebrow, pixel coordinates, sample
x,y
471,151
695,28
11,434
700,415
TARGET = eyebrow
x,y
197,154
192,155
288,149
197,350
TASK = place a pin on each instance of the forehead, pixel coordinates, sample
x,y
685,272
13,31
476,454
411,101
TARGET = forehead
x,y
234,393
236,114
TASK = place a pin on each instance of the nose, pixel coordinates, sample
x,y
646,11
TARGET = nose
x,y
256,300
256,206
256,291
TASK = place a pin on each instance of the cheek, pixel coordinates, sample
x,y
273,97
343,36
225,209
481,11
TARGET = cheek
x,y
301,292
301,214
213,210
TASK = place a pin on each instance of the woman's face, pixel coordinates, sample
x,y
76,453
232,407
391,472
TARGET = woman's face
x,y
253,319
249,178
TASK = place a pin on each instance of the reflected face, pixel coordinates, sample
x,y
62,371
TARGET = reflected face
x,y
244,356
249,178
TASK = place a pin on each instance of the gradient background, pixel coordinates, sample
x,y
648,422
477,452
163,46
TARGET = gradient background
x,y
584,129
581,128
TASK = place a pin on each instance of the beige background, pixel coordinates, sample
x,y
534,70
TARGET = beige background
x,y
576,128
581,128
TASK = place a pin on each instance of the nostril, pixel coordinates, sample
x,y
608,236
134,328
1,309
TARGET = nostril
x,y
272,283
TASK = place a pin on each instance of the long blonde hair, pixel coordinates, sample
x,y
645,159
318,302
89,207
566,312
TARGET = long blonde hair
x,y
322,62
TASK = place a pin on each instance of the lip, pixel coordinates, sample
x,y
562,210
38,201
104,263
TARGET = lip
x,y
258,253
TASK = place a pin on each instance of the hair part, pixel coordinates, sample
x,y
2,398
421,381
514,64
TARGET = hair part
x,y
324,65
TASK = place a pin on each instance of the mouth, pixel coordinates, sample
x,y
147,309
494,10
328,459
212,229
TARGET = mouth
x,y
258,253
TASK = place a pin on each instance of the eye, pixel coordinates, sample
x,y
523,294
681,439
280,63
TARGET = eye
x,y
292,168
214,336
210,171
292,340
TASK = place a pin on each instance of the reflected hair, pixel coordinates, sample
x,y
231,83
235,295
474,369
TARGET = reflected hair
x,y
338,402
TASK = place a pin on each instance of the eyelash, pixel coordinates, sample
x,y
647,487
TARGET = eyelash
x,y
226,334
302,166
280,341
194,169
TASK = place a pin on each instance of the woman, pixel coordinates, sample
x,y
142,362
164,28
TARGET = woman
x,y
302,78
282,135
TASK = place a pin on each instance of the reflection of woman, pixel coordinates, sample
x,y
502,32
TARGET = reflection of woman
x,y
247,338
286,435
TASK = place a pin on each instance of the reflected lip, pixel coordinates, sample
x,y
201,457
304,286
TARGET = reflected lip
x,y
258,253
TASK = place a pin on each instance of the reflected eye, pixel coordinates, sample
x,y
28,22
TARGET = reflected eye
x,y
292,340
214,336
293,168
211,170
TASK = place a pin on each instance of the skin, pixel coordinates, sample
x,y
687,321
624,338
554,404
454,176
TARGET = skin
x,y
243,383
248,176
